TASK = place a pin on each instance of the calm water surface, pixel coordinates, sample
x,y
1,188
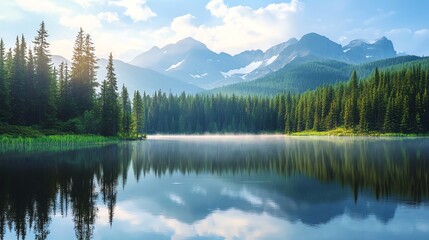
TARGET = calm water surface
x,y
237,187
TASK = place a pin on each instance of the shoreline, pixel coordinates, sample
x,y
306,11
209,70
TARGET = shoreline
x,y
76,139
342,132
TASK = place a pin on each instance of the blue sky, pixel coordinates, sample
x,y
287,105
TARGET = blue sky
x,y
128,27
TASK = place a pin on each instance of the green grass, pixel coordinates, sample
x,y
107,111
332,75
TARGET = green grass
x,y
351,132
52,143
27,139
56,139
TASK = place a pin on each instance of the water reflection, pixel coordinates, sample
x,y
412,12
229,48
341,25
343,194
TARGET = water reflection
x,y
229,187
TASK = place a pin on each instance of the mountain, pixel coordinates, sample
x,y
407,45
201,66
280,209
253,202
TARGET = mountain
x,y
358,51
300,76
315,47
144,80
259,66
191,66
191,61
57,60
136,78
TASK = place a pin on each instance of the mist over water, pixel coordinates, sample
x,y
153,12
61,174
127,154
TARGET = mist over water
x,y
220,186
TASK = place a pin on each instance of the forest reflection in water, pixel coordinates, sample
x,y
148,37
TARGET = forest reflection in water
x,y
37,185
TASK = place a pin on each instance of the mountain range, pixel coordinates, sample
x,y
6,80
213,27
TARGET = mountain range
x,y
191,66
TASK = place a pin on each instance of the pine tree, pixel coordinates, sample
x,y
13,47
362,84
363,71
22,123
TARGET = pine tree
x,y
4,86
17,85
281,113
405,118
126,112
83,74
425,114
419,114
351,116
30,89
348,113
109,98
62,89
43,78
77,75
137,115
363,115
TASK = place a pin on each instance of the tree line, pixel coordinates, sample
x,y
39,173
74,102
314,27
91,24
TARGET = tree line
x,y
35,93
391,101
388,101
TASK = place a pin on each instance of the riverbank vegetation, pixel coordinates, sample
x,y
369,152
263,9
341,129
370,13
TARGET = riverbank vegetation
x,y
350,132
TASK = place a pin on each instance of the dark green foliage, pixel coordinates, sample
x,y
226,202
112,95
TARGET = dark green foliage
x,y
137,115
301,76
83,74
33,93
126,111
44,79
17,76
109,102
390,101
64,93
4,86
216,113
30,90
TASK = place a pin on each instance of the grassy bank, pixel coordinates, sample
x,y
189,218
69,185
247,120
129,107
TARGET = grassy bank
x,y
351,132
56,139
22,135
52,143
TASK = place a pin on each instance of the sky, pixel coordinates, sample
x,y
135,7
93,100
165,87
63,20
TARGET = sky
x,y
129,27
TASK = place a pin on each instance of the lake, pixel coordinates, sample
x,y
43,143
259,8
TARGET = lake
x,y
219,187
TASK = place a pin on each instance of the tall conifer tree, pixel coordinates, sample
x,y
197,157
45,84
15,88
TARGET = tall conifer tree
x,y
4,86
125,111
83,74
138,114
43,78
109,98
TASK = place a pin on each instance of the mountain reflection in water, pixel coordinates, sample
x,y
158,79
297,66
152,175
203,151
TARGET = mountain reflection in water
x,y
186,184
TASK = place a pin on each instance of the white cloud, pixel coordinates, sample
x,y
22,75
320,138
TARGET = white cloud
x,y
9,12
108,16
381,16
183,25
240,28
399,31
137,10
85,3
42,6
217,8
87,21
421,32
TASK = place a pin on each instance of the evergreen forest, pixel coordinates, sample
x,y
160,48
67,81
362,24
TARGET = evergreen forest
x,y
387,102
34,93
69,99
